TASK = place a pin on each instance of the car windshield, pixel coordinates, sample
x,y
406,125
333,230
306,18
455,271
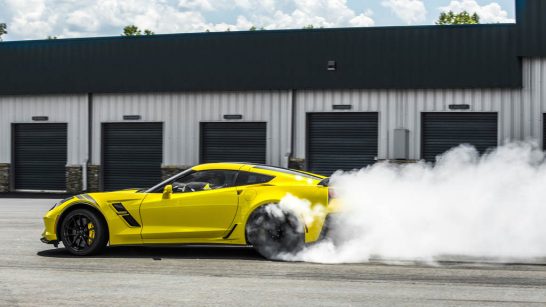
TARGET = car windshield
x,y
288,171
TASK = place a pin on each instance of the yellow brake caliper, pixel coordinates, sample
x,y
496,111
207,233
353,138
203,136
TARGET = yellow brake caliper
x,y
91,237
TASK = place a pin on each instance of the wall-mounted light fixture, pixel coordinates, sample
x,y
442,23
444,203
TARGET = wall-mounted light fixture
x,y
332,65
132,117
40,118
459,107
342,106
233,116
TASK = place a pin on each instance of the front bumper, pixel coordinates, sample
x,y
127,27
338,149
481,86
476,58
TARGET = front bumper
x,y
50,233
46,241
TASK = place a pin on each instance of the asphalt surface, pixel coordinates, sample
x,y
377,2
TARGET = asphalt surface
x,y
35,274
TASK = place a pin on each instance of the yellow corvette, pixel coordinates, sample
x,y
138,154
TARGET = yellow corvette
x,y
217,203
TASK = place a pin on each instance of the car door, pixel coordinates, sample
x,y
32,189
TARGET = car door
x,y
202,207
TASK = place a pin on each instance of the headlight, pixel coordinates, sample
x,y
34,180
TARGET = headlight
x,y
61,202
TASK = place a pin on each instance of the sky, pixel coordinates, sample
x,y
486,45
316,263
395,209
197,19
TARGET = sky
x,y
38,19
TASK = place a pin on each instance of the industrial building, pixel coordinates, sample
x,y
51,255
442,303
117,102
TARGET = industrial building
x,y
117,112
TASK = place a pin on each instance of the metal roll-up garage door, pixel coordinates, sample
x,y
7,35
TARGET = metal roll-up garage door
x,y
40,155
233,142
343,141
443,131
132,154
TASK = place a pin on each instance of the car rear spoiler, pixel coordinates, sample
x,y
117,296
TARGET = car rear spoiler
x,y
325,182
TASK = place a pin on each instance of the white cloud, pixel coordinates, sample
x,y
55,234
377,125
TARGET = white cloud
x,y
37,19
490,13
410,11
363,20
320,13
196,5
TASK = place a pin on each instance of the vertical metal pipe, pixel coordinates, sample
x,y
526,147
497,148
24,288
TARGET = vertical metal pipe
x,y
292,127
89,139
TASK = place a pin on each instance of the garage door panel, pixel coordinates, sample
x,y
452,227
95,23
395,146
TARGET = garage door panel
x,y
544,131
229,142
341,141
443,131
40,156
132,155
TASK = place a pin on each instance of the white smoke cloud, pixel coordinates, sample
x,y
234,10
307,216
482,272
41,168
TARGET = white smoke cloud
x,y
490,207
409,11
490,13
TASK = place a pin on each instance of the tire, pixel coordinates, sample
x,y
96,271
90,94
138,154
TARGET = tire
x,y
84,232
273,232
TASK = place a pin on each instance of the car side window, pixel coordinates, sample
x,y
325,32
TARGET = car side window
x,y
204,180
248,178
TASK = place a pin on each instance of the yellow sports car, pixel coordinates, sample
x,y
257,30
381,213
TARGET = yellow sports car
x,y
217,203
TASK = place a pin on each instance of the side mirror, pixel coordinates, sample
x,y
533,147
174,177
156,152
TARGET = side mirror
x,y
167,191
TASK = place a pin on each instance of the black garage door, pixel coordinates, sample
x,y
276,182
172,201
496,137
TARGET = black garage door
x,y
233,142
132,155
39,154
343,141
544,132
443,131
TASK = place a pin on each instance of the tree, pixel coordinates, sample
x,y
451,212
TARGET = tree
x,y
132,30
254,28
3,30
311,27
463,18
49,37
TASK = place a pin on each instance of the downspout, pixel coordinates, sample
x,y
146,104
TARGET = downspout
x,y
89,139
293,128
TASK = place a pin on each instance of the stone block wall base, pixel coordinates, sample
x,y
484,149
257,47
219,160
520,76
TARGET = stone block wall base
x,y
168,171
93,178
4,177
74,179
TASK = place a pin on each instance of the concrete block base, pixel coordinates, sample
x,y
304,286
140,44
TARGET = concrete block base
x,y
4,177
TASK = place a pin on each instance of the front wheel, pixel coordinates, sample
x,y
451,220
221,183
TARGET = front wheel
x,y
274,232
83,232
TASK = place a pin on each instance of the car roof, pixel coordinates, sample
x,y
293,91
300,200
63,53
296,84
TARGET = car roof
x,y
221,165
256,167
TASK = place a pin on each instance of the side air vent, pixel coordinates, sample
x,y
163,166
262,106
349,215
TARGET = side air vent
x,y
131,221
119,207
121,211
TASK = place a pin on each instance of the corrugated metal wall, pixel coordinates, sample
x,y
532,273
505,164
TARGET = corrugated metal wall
x,y
71,109
520,114
182,112
520,111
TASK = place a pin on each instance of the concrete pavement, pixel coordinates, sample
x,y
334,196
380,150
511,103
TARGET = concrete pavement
x,y
35,274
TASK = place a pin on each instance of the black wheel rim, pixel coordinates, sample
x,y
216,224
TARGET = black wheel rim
x,y
79,232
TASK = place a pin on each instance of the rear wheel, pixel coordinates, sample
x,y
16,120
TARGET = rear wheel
x,y
273,232
83,232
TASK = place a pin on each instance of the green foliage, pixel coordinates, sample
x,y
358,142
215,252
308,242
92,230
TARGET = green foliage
x,y
51,37
3,30
254,28
311,27
463,18
132,30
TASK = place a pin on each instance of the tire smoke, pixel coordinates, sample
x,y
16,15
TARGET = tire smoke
x,y
490,207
